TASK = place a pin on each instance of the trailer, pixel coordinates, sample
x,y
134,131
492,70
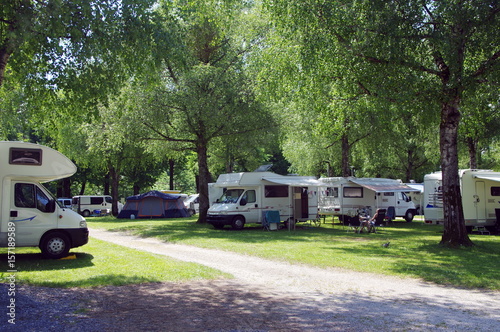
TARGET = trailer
x,y
347,196
30,215
248,195
480,191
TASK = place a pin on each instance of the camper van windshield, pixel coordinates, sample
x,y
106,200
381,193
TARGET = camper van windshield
x,y
231,196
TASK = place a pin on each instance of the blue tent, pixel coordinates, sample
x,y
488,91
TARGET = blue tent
x,y
154,204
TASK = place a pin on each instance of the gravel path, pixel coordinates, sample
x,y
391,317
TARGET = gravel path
x,y
263,296
359,301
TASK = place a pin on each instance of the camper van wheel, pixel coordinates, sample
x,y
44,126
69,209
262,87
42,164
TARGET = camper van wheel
x,y
86,213
409,215
238,222
55,245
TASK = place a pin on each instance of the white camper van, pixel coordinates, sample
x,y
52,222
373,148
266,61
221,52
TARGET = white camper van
x,y
480,198
86,205
345,196
30,215
248,195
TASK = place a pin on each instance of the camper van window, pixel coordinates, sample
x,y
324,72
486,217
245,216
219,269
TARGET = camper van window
x,y
353,192
42,201
276,191
96,200
495,191
108,199
389,194
19,156
332,192
249,196
24,195
231,196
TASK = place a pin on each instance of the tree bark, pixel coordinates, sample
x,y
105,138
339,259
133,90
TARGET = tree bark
x,y
204,176
345,155
171,169
455,233
472,145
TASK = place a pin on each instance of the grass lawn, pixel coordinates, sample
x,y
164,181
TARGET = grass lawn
x,y
101,263
414,249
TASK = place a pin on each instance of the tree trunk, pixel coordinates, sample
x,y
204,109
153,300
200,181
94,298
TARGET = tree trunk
x,y
171,169
455,233
115,181
472,145
345,156
201,150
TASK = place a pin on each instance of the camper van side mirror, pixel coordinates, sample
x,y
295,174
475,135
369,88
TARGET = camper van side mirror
x,y
51,206
243,202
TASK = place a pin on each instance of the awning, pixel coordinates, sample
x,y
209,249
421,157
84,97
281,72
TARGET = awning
x,y
295,181
383,185
491,177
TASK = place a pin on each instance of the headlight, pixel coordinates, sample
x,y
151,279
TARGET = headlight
x,y
83,224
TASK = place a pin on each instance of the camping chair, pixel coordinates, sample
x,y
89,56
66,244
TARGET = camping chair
x,y
391,215
379,220
354,223
271,220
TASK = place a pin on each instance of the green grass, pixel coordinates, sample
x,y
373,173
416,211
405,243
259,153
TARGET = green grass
x,y
414,249
101,263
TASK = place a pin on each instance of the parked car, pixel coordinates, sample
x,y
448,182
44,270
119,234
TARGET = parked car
x,y
192,204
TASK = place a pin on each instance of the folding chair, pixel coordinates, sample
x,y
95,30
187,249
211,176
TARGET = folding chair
x,y
271,220
354,223
379,220
391,215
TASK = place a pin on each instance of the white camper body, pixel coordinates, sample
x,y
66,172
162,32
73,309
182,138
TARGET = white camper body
x,y
30,215
86,205
346,196
248,195
480,191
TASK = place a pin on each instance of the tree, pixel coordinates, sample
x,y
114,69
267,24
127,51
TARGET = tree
x,y
452,46
203,93
82,46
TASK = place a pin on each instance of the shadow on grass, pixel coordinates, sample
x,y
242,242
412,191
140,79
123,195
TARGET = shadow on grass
x,y
36,262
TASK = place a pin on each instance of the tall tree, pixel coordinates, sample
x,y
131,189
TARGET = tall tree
x,y
452,46
203,94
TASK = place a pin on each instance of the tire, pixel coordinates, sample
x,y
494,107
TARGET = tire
x,y
409,215
238,223
55,245
86,213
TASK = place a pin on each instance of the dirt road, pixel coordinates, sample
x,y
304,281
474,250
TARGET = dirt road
x,y
275,296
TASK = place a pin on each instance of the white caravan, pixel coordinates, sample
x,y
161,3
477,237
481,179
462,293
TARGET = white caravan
x,y
248,195
30,215
480,191
86,205
346,196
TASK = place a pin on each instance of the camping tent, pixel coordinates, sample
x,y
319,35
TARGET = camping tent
x,y
154,204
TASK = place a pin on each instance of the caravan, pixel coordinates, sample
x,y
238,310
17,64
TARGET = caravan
x,y
480,191
346,196
248,195
30,215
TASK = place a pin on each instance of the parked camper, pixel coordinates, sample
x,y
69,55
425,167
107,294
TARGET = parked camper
x,y
248,195
345,196
65,202
30,215
86,205
480,191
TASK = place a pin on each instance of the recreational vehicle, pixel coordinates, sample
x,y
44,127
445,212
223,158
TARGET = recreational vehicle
x,y
248,195
86,205
30,215
346,196
480,191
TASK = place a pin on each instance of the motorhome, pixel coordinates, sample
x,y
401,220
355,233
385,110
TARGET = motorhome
x,y
87,205
480,190
30,215
347,196
248,195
